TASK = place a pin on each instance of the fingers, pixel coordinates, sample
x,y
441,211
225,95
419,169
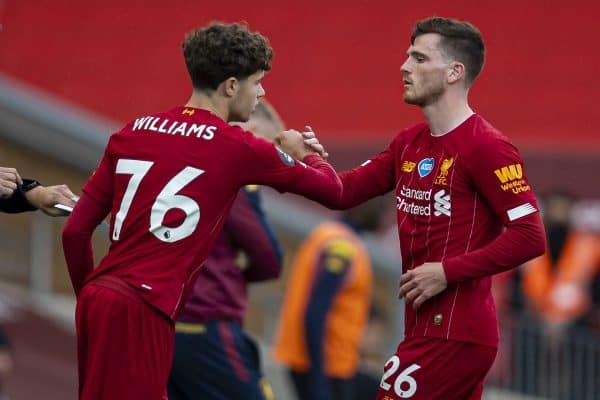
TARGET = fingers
x,y
406,276
65,196
316,146
406,284
7,189
10,174
412,294
312,142
420,300
9,179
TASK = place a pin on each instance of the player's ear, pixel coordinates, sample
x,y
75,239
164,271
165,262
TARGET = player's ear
x,y
456,71
231,86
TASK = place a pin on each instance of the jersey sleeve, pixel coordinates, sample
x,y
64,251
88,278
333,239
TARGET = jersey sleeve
x,y
100,184
498,175
374,177
77,238
89,211
264,164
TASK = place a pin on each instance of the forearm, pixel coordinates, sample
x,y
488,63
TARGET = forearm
x,y
323,185
77,239
519,243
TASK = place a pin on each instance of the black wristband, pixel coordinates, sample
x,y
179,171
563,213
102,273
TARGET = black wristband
x,y
29,184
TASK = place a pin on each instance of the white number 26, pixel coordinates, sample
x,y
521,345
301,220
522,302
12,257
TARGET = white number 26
x,y
405,386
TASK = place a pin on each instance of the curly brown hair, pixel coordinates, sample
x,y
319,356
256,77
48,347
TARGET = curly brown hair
x,y
461,41
219,51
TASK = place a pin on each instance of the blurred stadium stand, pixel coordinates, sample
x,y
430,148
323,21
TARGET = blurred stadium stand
x,y
71,72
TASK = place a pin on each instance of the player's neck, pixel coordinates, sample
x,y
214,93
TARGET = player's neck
x,y
447,113
208,103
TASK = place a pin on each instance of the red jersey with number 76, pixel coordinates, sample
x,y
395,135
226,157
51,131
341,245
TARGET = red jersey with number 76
x,y
169,181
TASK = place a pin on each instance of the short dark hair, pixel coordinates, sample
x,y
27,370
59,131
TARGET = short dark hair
x,y
461,41
219,51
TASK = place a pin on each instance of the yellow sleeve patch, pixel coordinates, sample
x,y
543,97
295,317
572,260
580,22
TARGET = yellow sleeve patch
x,y
341,248
338,255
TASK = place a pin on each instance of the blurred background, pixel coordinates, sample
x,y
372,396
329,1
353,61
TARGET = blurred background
x,y
71,72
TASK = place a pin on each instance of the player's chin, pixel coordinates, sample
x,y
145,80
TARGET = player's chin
x,y
239,117
413,100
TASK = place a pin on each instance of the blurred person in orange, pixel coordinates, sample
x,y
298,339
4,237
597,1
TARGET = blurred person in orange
x,y
559,284
326,307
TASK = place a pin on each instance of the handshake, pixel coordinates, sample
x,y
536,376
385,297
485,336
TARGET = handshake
x,y
300,144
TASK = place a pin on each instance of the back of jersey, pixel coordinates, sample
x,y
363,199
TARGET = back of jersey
x,y
169,180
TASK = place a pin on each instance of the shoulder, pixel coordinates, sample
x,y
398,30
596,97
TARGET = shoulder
x,y
337,238
242,136
484,133
484,139
409,134
338,254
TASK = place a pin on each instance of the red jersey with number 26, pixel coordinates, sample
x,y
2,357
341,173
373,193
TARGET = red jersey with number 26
x,y
455,195
169,181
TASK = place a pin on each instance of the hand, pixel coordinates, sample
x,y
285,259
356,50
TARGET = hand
x,y
9,179
310,139
45,198
422,283
292,142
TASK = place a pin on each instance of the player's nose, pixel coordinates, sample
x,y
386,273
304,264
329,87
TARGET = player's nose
x,y
405,67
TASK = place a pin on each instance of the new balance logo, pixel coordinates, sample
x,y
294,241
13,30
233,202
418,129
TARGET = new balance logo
x,y
442,203
509,173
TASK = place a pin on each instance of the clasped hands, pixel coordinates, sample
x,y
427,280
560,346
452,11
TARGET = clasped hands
x,y
300,144
422,283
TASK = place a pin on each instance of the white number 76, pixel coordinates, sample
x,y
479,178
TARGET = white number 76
x,y
402,378
166,200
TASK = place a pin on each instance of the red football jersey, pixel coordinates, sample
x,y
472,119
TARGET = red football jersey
x,y
169,181
454,195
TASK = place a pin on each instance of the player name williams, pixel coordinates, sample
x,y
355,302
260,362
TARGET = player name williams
x,y
163,125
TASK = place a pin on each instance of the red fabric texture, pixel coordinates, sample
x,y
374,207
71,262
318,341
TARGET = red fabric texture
x,y
114,363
